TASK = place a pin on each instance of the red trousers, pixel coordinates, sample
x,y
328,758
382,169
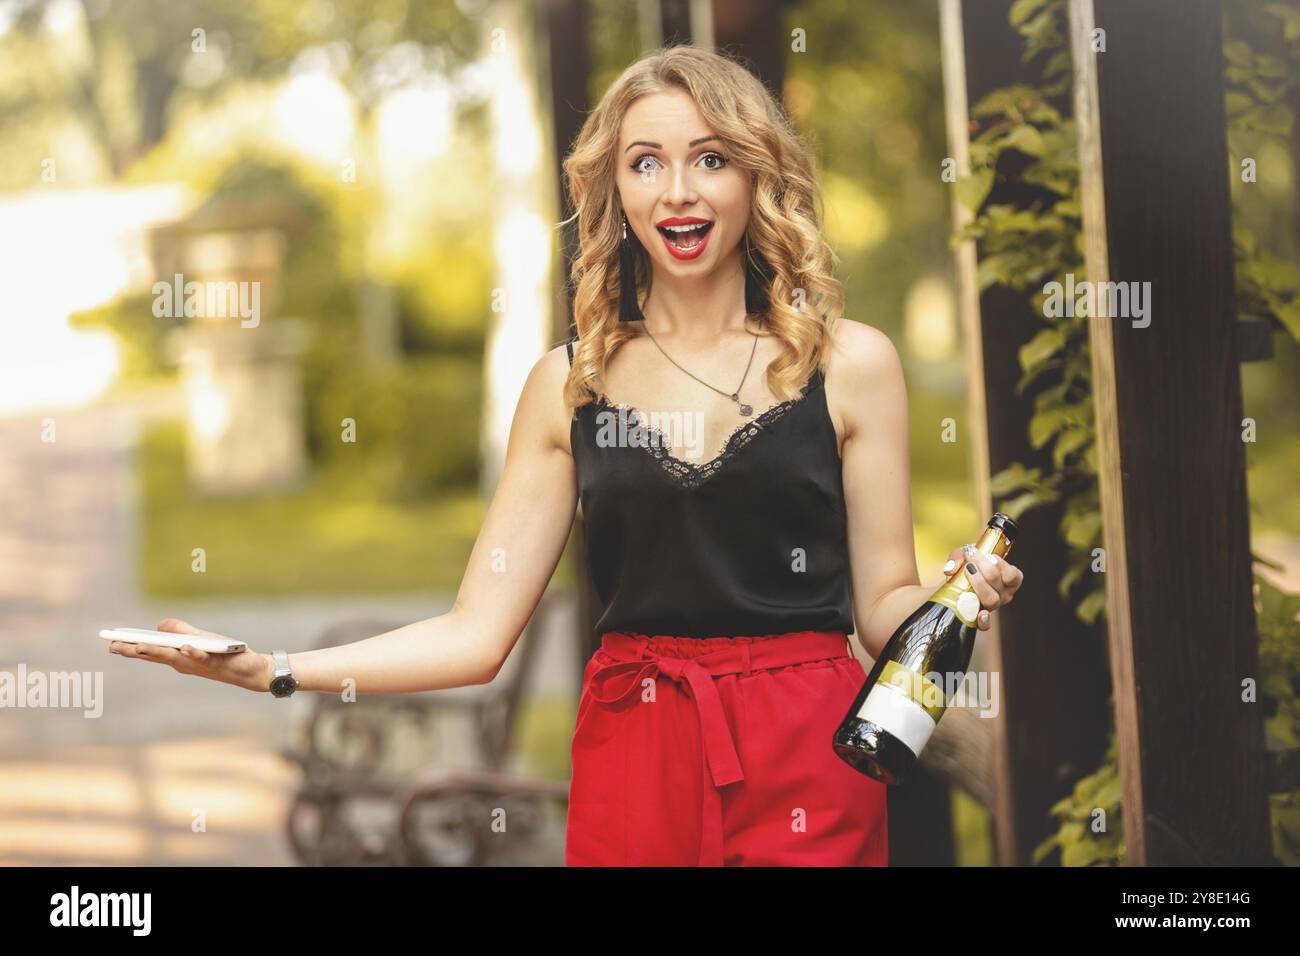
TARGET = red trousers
x,y
717,751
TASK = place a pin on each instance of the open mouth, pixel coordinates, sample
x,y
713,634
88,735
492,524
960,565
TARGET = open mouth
x,y
686,238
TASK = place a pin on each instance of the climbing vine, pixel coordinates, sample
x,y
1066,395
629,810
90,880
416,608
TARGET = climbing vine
x,y
1028,249
1024,138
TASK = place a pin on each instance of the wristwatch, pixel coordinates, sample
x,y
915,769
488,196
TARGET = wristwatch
x,y
282,681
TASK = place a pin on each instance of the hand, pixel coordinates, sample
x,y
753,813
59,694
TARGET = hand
x,y
247,669
995,580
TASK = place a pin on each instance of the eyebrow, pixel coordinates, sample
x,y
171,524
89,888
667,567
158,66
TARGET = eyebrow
x,y
691,145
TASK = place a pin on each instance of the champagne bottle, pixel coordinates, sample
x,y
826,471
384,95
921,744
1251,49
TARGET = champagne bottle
x,y
900,704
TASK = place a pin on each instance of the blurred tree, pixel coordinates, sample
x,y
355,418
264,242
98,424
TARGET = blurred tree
x,y
107,73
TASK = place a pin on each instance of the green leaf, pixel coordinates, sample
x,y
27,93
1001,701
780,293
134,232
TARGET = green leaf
x,y
1040,32
1045,424
1081,530
1045,113
1005,101
1061,807
1041,348
1049,178
1022,220
1069,443
1028,378
974,189
1014,477
1051,396
1238,53
1025,138
1290,17
1109,794
1015,507
992,270
1069,579
1022,10
1068,207
1236,104
1091,606
1043,850
1083,852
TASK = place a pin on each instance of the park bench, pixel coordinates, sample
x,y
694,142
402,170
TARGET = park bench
x,y
423,779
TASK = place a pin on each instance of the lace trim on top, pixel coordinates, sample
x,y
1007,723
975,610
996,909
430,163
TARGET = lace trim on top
x,y
686,473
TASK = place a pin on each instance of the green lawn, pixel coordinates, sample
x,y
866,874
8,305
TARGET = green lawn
x,y
328,537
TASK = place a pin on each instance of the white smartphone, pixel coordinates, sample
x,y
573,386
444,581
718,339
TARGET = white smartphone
x,y
138,635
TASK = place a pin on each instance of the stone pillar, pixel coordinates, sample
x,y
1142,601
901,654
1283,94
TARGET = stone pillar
x,y
241,375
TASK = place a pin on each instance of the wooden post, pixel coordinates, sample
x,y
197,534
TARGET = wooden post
x,y
751,29
676,21
570,69
1153,158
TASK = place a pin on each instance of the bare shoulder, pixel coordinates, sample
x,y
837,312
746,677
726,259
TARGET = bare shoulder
x,y
861,353
864,374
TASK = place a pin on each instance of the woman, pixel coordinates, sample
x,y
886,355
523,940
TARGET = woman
x,y
734,539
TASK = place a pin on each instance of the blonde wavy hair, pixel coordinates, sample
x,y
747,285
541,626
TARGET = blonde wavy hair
x,y
784,227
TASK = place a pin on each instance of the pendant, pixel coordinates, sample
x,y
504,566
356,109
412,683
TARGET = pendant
x,y
744,409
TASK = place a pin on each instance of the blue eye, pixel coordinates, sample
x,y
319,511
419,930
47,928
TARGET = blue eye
x,y
636,166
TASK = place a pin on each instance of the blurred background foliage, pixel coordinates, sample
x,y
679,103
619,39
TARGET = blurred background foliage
x,y
115,91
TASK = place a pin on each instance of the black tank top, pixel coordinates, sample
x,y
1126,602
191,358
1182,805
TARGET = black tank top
x,y
753,542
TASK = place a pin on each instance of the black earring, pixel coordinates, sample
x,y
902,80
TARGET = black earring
x,y
756,301
628,310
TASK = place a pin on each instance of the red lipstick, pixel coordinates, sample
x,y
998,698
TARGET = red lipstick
x,y
682,241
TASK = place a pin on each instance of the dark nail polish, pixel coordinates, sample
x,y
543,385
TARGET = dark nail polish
x,y
971,568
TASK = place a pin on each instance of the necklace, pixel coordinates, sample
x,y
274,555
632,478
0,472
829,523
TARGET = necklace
x,y
745,410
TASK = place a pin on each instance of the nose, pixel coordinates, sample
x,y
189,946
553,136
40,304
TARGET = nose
x,y
680,189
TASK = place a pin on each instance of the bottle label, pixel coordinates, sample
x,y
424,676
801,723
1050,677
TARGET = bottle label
x,y
906,704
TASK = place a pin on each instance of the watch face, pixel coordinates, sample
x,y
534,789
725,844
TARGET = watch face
x,y
283,686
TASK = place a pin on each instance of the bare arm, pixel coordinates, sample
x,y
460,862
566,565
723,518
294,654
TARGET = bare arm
x,y
878,495
877,483
514,556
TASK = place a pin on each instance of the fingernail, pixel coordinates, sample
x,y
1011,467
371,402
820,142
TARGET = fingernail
x,y
950,567
972,569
